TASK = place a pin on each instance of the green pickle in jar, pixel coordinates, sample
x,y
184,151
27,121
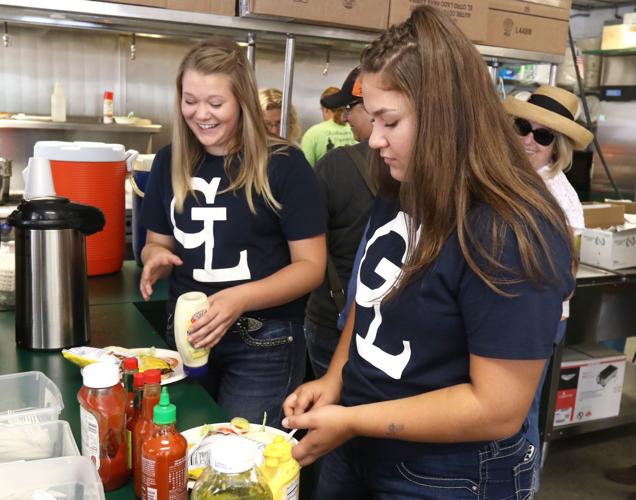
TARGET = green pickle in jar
x,y
232,473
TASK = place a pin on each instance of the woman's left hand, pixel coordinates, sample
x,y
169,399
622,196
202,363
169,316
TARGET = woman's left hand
x,y
225,308
328,427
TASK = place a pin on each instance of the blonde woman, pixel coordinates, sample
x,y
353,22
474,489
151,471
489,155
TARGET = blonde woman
x,y
466,263
331,133
272,105
235,213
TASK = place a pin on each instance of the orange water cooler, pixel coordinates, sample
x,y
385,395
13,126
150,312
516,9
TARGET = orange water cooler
x,y
94,173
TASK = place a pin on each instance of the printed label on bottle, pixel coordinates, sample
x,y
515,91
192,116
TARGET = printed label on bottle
x,y
292,490
129,449
90,436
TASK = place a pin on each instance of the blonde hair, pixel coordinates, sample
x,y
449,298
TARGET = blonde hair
x,y
562,151
336,112
250,145
273,99
466,154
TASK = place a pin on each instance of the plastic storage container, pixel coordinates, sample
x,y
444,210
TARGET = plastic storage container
x,y
70,478
94,173
138,181
29,398
37,441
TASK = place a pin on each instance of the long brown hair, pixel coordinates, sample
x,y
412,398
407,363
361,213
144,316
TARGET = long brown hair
x,y
465,154
251,142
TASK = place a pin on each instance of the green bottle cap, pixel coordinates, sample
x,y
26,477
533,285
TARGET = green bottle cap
x,y
164,413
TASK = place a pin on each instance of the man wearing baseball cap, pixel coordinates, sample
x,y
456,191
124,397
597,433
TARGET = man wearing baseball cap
x,y
344,175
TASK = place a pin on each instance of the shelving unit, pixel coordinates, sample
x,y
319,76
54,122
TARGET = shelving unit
x,y
85,123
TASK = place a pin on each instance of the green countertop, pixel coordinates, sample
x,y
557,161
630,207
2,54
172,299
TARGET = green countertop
x,y
115,320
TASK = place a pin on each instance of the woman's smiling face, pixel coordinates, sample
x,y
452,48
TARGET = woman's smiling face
x,y
210,109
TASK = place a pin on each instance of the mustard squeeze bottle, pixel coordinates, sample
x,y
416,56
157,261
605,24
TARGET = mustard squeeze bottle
x,y
190,307
281,470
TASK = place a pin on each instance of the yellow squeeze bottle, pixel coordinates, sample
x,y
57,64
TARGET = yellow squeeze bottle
x,y
281,470
190,307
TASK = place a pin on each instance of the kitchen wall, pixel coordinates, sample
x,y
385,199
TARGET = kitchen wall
x,y
87,63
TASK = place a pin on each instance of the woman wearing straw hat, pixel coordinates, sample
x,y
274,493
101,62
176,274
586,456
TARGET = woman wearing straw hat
x,y
546,126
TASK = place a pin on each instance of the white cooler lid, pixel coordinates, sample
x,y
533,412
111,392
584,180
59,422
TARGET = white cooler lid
x,y
79,151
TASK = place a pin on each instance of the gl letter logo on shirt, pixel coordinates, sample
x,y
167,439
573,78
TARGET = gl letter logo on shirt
x,y
206,236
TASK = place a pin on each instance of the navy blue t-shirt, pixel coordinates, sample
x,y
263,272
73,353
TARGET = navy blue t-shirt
x,y
220,241
421,340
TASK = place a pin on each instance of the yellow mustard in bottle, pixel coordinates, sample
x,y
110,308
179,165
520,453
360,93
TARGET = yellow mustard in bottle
x,y
281,470
190,307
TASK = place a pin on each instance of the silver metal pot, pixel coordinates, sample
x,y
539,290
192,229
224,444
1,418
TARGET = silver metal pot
x,y
51,291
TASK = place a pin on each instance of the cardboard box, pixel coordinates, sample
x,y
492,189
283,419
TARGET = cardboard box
x,y
362,14
590,384
603,215
628,205
220,7
609,249
147,3
618,36
527,26
470,15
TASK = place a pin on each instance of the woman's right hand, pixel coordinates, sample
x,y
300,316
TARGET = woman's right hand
x,y
157,265
314,394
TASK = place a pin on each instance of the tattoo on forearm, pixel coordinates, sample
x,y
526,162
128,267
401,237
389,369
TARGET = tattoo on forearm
x,y
394,429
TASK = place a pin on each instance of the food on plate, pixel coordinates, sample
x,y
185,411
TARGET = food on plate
x,y
83,356
148,359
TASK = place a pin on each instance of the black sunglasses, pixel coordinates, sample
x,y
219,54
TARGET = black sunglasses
x,y
352,105
542,136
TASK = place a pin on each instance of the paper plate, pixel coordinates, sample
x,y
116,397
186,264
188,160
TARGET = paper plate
x,y
173,357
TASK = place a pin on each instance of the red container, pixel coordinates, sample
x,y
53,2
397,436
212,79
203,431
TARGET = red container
x,y
93,173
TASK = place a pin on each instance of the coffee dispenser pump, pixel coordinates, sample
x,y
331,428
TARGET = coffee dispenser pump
x,y
51,289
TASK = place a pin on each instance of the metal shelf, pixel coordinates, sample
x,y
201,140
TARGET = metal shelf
x,y
84,123
124,18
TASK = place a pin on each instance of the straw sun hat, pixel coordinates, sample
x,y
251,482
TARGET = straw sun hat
x,y
554,108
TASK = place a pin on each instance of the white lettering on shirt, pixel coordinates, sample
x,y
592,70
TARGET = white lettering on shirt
x,y
391,364
206,236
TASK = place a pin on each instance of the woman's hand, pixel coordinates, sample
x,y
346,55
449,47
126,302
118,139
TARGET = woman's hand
x,y
225,308
158,263
312,395
328,427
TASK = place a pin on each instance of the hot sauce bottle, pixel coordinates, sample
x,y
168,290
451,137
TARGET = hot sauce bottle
x,y
102,402
132,415
163,456
144,425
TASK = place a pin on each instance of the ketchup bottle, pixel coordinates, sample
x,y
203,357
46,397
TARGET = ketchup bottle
x,y
132,415
102,402
144,424
163,456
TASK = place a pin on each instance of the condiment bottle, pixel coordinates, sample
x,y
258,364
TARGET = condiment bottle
x,y
190,307
281,470
144,425
108,107
102,402
130,368
163,456
58,104
232,473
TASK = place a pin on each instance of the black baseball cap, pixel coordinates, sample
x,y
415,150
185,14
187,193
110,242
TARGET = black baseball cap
x,y
350,92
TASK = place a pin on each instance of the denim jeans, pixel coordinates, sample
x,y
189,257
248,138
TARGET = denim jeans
x,y
499,470
252,372
321,344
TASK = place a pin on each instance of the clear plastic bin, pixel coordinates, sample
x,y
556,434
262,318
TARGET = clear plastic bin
x,y
29,398
37,441
70,478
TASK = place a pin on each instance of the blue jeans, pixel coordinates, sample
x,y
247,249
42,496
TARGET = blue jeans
x,y
252,372
500,470
321,344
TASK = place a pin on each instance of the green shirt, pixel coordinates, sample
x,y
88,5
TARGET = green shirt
x,y
324,136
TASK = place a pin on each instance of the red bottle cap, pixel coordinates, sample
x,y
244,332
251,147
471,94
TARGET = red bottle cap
x,y
130,364
108,95
138,380
152,376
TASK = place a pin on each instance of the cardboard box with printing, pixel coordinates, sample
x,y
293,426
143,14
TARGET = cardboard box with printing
x,y
618,36
529,26
471,15
221,7
590,384
362,14
608,240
